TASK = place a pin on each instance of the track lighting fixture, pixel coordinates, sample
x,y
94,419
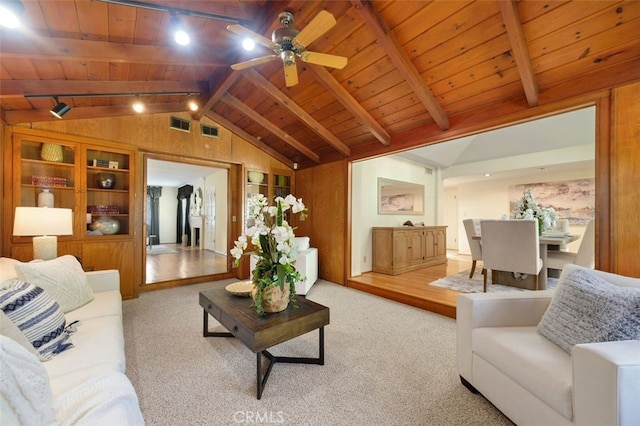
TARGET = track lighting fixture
x,y
10,13
180,34
60,109
138,106
193,105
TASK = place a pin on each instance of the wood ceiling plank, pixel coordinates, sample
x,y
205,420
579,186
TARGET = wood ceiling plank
x,y
592,26
244,135
35,47
604,44
448,23
478,35
237,104
401,13
61,18
262,83
345,98
93,20
598,62
560,17
74,70
122,21
405,67
519,48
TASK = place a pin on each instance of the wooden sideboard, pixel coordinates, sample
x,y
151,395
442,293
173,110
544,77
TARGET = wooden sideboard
x,y
397,250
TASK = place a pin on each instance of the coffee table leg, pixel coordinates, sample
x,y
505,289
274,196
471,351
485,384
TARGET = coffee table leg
x,y
205,328
262,381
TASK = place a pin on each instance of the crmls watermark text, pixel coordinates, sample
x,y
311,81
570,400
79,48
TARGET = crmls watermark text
x,y
257,417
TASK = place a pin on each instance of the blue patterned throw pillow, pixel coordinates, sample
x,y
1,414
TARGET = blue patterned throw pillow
x,y
38,316
588,309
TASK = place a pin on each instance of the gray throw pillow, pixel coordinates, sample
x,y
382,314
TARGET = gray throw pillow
x,y
588,309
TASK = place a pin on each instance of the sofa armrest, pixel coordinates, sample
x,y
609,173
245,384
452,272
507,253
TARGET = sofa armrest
x,y
606,383
505,309
105,280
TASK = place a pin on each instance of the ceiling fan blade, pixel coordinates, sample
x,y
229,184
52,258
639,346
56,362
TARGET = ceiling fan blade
x,y
291,74
320,24
242,31
252,62
324,59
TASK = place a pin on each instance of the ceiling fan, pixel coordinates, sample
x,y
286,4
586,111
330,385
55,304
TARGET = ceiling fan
x,y
287,43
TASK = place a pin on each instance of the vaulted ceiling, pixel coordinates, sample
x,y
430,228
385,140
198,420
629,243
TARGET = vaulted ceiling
x,y
414,68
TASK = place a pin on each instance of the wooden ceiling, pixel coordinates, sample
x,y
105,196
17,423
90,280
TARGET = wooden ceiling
x,y
414,68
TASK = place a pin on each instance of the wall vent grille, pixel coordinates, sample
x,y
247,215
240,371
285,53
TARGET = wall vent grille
x,y
428,171
180,124
209,131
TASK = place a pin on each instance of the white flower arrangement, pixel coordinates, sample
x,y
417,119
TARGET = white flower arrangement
x,y
273,239
528,208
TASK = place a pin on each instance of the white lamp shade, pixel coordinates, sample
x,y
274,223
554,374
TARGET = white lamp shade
x,y
37,221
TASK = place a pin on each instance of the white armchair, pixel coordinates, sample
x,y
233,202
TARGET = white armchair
x,y
306,264
532,380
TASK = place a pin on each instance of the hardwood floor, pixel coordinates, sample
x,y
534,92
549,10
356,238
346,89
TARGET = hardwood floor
x,y
186,262
413,287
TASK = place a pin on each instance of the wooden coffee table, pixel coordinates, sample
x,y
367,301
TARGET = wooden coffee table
x,y
260,333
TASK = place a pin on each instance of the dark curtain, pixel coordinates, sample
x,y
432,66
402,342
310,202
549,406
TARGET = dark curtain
x,y
184,192
153,220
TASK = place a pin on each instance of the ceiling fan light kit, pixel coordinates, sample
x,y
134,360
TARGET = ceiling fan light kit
x,y
288,42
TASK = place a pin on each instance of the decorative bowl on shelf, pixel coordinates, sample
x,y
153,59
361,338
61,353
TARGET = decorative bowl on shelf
x,y
105,224
256,177
106,180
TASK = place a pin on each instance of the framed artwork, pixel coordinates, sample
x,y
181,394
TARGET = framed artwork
x,y
573,199
397,197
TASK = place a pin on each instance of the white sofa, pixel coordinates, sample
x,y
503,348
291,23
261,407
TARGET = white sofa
x,y
306,264
532,380
87,382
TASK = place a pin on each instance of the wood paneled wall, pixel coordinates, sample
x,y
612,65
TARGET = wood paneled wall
x,y
323,189
625,170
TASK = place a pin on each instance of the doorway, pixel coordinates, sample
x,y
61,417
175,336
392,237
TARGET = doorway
x,y
188,237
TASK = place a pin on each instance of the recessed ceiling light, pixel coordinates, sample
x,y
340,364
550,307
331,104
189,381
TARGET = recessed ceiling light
x,y
487,174
10,12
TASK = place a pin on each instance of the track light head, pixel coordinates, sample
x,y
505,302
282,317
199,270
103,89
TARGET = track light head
x,y
10,13
60,109
180,33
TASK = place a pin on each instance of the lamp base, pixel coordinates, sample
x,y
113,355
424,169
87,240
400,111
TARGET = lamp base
x,y
45,247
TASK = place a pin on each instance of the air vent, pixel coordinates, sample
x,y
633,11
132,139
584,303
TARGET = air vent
x,y
209,131
180,124
428,171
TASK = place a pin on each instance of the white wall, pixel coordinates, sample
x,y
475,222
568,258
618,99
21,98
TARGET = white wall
x,y
219,181
490,199
365,215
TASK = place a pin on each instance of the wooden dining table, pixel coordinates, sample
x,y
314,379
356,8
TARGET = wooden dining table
x,y
547,243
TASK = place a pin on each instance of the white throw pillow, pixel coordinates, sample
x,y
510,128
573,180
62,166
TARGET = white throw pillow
x,y
38,316
588,309
25,392
62,277
7,271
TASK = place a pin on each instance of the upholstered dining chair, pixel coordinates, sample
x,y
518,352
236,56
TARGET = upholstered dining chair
x,y
511,246
585,256
472,228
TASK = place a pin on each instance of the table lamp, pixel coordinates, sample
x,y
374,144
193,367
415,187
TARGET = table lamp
x,y
44,224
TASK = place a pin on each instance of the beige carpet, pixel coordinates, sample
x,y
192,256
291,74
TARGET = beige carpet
x,y
385,364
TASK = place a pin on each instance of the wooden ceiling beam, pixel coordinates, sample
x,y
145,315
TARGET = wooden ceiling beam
x,y
249,138
217,95
405,67
25,88
343,96
79,113
37,47
259,81
244,109
519,48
